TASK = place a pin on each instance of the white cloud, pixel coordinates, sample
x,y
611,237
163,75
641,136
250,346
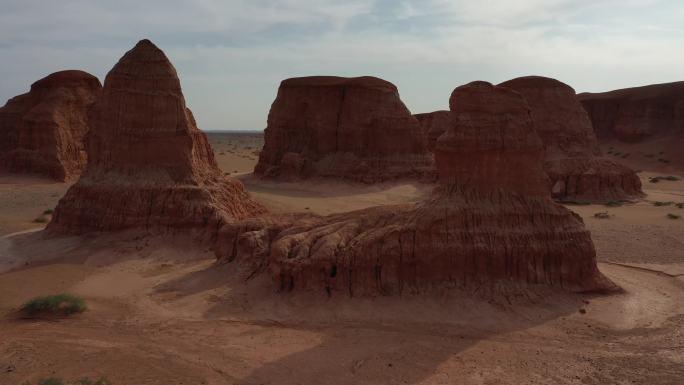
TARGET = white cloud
x,y
232,54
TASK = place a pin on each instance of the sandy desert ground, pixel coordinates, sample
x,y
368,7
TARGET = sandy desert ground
x,y
161,312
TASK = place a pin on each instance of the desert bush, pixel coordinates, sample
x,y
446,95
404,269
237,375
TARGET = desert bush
x,y
48,212
602,215
659,204
673,216
60,304
41,219
614,203
680,205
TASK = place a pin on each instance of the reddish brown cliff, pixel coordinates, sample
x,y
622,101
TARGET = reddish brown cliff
x,y
573,158
351,128
42,132
491,223
634,114
149,165
434,124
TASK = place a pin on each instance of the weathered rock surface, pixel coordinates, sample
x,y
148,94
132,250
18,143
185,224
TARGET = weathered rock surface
x,y
634,114
149,166
350,128
573,158
42,132
434,125
491,223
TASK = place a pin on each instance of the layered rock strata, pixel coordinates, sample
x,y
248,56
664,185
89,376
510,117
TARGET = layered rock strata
x,y
573,159
490,223
149,165
349,128
43,131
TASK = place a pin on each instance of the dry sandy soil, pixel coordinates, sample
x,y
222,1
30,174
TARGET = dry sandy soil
x,y
160,311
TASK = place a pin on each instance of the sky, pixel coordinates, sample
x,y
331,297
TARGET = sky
x,y
231,55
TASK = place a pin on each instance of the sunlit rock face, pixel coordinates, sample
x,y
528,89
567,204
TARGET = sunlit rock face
x,y
573,159
349,128
43,131
490,223
149,165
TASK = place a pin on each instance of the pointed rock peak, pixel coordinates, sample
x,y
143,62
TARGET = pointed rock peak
x,y
144,62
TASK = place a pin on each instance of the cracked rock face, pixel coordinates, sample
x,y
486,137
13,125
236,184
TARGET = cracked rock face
x,y
635,114
490,223
573,158
43,131
350,128
149,165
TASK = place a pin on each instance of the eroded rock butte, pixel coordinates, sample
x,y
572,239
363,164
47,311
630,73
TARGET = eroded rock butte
x,y
350,128
573,160
43,131
490,223
149,166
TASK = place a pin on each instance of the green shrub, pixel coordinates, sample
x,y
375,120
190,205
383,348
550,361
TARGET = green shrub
x,y
659,204
602,215
41,219
673,216
614,203
60,304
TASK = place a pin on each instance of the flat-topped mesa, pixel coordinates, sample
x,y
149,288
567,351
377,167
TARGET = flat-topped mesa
x,y
472,233
635,114
573,158
43,131
149,166
350,128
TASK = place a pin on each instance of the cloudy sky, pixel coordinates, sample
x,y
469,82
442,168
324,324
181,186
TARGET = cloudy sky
x,y
232,54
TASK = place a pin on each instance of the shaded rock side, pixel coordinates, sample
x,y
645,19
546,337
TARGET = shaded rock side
x,y
434,124
481,229
350,128
43,131
573,159
635,114
149,165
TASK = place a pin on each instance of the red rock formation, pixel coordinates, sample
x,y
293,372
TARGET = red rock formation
x,y
149,165
634,114
490,224
352,128
434,124
42,131
573,159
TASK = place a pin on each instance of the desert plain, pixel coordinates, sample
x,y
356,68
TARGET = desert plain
x,y
161,310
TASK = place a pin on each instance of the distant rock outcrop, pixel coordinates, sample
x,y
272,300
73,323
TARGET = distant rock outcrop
x,y
149,166
434,125
634,114
573,158
490,224
350,128
42,132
